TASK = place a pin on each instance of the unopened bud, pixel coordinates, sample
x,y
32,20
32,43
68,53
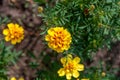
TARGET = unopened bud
x,y
40,9
92,7
103,74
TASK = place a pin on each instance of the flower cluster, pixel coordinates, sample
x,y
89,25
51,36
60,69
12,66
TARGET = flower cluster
x,y
14,33
71,67
58,39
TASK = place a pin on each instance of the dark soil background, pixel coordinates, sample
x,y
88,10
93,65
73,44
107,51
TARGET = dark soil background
x,y
25,13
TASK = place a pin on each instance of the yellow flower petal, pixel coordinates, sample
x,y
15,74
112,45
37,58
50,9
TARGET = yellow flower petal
x,y
51,32
65,59
21,78
10,25
66,47
6,31
61,72
76,60
13,78
56,29
47,38
58,50
69,56
19,40
80,67
68,75
7,38
16,25
13,41
76,74
22,37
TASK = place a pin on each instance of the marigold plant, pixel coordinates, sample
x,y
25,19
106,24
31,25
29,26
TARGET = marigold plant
x,y
71,67
58,39
92,24
14,33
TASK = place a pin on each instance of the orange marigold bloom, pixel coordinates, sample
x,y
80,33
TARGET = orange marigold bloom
x,y
14,33
71,67
58,39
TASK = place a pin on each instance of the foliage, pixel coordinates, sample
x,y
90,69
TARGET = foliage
x,y
3,20
7,55
93,24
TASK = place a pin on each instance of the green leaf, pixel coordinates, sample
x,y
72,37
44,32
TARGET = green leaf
x,y
30,53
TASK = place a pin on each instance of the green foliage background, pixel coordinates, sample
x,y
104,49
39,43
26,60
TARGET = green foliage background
x,y
8,56
93,24
91,29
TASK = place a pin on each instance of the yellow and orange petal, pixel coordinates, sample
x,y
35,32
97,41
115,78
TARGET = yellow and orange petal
x,y
14,33
58,39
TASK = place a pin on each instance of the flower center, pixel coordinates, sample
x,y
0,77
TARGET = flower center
x,y
69,67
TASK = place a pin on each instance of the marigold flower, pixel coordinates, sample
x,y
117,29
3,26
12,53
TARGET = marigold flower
x,y
14,33
13,78
58,39
71,67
